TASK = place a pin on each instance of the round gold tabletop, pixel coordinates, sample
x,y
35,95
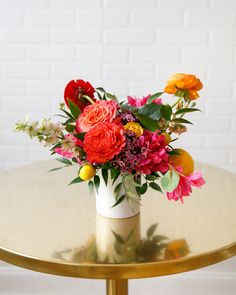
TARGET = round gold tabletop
x,y
50,227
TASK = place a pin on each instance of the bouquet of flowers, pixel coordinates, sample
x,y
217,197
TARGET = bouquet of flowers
x,y
107,138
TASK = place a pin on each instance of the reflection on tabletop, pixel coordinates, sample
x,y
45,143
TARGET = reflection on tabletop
x,y
119,241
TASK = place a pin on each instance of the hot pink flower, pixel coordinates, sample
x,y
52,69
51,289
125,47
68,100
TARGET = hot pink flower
x,y
64,153
99,112
138,102
184,188
154,153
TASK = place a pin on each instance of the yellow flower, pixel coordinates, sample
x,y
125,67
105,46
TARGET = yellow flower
x,y
134,127
87,172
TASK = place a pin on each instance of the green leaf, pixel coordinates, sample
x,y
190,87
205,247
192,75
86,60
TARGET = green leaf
x,y
150,177
100,89
154,96
118,201
181,120
114,174
142,189
70,128
69,115
117,190
166,112
76,180
118,237
152,111
96,180
91,186
75,111
151,230
64,161
99,95
170,180
155,186
80,135
105,175
148,123
55,169
130,235
118,247
111,96
187,110
106,166
68,121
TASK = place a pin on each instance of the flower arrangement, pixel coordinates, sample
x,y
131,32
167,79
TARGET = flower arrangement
x,y
107,138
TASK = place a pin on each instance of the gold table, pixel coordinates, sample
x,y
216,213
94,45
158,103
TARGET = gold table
x,y
50,227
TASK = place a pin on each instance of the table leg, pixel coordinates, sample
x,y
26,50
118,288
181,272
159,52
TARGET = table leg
x,y
117,287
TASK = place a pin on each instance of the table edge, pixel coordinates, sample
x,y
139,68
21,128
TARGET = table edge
x,y
119,271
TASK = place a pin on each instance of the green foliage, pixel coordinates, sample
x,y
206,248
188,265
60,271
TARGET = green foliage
x,y
155,186
119,201
166,111
75,111
76,180
186,110
170,180
118,237
114,174
142,189
151,230
91,186
80,135
105,175
96,180
117,190
181,120
152,111
148,123
154,96
64,161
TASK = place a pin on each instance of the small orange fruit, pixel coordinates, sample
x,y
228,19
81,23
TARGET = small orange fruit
x,y
87,171
183,159
167,139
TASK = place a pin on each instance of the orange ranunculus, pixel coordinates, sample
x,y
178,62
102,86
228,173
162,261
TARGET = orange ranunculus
x,y
103,142
184,82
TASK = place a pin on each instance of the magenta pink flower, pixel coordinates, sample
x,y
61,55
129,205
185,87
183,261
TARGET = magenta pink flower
x,y
145,154
184,188
138,102
64,153
154,153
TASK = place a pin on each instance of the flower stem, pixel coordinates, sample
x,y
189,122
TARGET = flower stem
x,y
177,101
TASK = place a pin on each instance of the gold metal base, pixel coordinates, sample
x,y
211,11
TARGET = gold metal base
x,y
117,287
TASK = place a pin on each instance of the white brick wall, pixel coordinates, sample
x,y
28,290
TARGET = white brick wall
x,y
127,46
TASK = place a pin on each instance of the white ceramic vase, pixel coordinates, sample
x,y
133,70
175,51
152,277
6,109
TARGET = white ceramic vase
x,y
105,199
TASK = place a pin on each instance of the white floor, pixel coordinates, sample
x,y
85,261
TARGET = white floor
x,y
219,279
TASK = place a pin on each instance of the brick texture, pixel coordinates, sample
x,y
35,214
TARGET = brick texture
x,y
127,46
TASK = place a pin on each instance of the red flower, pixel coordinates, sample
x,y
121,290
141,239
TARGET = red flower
x,y
103,142
75,90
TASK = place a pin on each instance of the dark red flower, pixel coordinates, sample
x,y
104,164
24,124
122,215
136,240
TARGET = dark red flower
x,y
75,90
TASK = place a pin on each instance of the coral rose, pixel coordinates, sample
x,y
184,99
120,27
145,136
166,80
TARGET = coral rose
x,y
75,90
184,82
103,142
99,112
